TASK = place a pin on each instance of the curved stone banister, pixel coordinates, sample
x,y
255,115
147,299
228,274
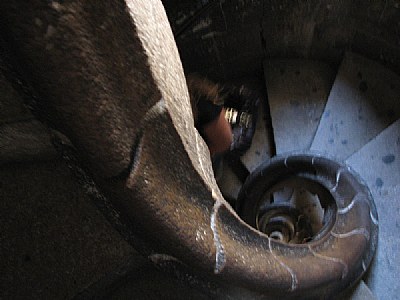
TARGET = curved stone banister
x,y
110,78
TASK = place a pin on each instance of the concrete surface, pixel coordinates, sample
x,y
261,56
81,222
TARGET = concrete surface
x,y
297,93
378,163
363,102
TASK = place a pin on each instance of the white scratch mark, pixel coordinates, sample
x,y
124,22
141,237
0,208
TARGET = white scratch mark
x,y
337,180
374,220
219,249
203,24
364,266
313,160
56,6
292,274
346,209
158,107
210,35
334,259
285,162
358,231
158,258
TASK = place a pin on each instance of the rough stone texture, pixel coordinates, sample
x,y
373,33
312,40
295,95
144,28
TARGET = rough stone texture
x,y
11,106
297,94
108,102
363,102
146,282
95,60
53,241
21,136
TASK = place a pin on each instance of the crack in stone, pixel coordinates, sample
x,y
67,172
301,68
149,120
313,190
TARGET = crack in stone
x,y
219,248
334,259
358,231
292,274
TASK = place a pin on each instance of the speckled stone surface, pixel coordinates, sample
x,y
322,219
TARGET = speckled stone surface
x,y
378,162
363,102
297,93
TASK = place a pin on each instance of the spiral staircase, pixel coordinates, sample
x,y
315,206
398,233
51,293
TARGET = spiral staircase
x,y
351,115
349,112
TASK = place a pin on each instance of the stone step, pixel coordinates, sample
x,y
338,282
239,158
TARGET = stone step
x,y
359,292
364,100
297,93
378,163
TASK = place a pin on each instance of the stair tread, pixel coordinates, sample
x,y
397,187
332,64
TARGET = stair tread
x,y
363,101
383,279
297,92
378,163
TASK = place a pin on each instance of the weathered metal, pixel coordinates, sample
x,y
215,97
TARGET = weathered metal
x,y
108,76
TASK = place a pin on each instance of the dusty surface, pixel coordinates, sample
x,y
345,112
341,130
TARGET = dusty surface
x,y
53,241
